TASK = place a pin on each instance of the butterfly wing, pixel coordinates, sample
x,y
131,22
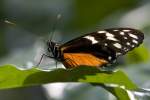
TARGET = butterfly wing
x,y
78,59
101,47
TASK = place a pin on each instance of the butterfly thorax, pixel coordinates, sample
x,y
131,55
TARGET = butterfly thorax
x,y
54,49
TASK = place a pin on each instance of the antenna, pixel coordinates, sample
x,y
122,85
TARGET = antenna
x,y
54,27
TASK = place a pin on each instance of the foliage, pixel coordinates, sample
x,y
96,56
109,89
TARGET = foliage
x,y
115,82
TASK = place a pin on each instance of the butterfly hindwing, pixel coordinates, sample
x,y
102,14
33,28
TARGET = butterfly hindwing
x,y
106,44
78,59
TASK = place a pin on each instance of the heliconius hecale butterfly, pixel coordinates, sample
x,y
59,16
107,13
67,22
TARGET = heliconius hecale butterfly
x,y
96,49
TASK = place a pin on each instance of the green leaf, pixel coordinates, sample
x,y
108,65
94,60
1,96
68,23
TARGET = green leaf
x,y
10,77
137,56
120,93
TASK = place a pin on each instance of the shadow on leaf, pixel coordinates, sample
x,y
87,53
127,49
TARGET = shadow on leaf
x,y
62,75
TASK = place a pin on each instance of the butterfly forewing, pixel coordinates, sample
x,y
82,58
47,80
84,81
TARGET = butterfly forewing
x,y
105,44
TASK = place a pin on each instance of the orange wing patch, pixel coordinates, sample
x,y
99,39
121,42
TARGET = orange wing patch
x,y
78,59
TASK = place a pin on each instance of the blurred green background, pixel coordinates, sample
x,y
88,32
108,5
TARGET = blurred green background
x,y
34,20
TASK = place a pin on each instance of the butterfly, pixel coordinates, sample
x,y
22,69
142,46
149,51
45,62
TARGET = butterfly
x,y
96,49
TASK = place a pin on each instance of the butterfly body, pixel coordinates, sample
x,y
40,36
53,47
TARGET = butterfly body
x,y
97,48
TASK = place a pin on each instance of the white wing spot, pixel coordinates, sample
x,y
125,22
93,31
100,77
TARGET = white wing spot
x,y
109,35
115,30
132,45
109,58
102,32
134,41
118,54
92,39
128,43
121,33
126,30
112,38
126,49
117,45
125,37
133,36
105,44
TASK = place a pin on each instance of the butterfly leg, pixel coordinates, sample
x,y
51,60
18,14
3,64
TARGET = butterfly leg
x,y
56,64
42,58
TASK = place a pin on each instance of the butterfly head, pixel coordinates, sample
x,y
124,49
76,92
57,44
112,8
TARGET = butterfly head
x,y
54,49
